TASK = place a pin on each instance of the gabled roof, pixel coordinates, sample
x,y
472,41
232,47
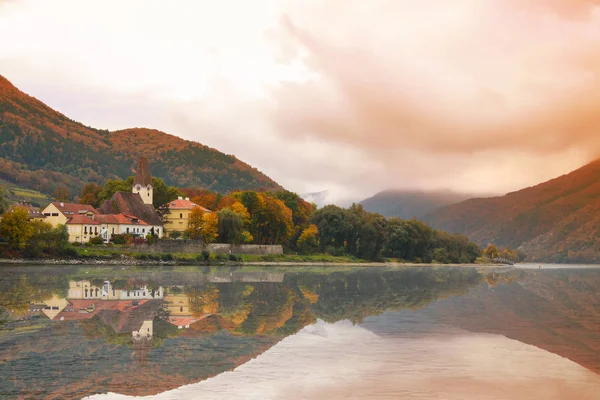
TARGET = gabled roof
x,y
129,219
34,212
106,219
142,175
132,204
82,220
69,209
184,204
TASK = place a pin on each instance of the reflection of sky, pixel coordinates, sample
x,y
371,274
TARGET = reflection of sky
x,y
342,361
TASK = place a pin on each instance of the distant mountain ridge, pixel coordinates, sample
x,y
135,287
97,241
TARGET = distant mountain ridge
x,y
407,204
558,220
41,148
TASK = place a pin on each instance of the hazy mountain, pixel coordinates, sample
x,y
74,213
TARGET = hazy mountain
x,y
408,204
41,148
558,220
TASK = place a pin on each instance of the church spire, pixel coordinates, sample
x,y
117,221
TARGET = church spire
x,y
142,175
142,184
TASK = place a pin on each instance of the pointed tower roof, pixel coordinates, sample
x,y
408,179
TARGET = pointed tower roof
x,y
142,175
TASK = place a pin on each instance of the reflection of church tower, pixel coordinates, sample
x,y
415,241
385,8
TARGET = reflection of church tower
x,y
143,181
142,341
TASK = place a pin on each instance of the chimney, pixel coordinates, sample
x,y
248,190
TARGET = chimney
x,y
179,198
62,204
187,198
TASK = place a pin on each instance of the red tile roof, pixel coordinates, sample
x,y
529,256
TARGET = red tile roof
x,y
128,219
73,208
184,204
71,311
82,220
106,218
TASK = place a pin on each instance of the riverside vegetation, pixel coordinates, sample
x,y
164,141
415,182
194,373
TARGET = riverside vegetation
x,y
328,234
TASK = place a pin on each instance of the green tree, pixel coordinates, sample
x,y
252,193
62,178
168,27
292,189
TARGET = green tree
x,y
91,195
230,226
15,227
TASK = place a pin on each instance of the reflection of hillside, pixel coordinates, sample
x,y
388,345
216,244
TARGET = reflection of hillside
x,y
558,311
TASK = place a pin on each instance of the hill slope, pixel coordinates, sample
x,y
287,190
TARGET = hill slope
x,y
41,148
558,220
408,204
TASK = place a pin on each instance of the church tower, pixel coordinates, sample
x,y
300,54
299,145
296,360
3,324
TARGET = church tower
x,y
142,183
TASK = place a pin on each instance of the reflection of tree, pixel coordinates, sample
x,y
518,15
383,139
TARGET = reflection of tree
x,y
203,300
17,294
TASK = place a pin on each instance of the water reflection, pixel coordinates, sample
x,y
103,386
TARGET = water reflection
x,y
76,332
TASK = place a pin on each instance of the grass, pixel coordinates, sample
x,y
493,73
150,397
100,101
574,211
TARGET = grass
x,y
17,193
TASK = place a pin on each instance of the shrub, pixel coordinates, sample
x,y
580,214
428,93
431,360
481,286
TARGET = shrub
x,y
205,255
233,257
96,241
175,235
166,257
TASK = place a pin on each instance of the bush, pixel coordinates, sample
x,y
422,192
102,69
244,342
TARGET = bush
x,y
220,257
96,241
174,235
205,255
233,257
166,257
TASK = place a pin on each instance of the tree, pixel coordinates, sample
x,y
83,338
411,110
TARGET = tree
x,y
15,227
161,193
115,185
491,251
91,195
210,228
308,242
202,226
61,193
230,226
3,201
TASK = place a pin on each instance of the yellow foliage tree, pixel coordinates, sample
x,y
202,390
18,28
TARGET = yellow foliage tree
x,y
16,228
195,223
210,227
309,239
491,251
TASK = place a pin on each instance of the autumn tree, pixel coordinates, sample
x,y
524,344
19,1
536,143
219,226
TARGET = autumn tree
x,y
308,242
15,227
3,201
491,251
202,226
61,193
91,195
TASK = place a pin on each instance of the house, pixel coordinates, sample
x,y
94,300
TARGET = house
x,y
34,213
178,217
135,205
82,228
85,290
58,213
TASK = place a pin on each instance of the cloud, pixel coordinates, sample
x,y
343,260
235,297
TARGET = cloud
x,y
494,79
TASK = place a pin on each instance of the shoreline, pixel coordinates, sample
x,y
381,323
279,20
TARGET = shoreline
x,y
126,261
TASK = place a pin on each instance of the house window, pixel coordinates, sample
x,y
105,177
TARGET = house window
x,y
180,309
113,230
55,214
143,231
180,215
47,214
85,229
127,229
96,230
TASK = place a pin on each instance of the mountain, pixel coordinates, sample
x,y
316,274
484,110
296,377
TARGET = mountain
x,y
407,204
41,148
558,220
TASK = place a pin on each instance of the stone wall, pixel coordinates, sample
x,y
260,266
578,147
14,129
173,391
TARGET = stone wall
x,y
194,246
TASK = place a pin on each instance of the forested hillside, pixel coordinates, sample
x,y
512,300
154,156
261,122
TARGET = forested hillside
x,y
42,149
558,220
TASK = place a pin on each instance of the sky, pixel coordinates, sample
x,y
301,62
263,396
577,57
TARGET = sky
x,y
347,96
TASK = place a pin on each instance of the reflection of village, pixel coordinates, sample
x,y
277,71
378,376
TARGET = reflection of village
x,y
134,309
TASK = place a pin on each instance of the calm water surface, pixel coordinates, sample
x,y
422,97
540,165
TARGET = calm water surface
x,y
300,333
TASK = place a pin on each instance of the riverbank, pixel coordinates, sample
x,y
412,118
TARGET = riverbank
x,y
130,261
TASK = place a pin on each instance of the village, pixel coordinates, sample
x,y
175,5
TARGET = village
x,y
130,213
